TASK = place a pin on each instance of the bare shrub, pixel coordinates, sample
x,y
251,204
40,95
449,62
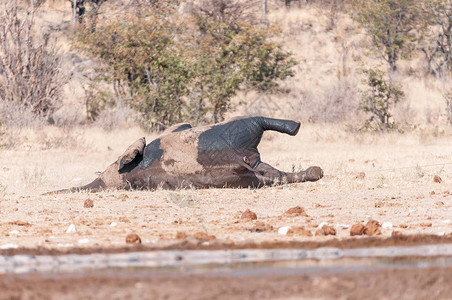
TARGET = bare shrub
x,y
30,75
404,113
335,104
331,9
113,118
228,12
19,115
448,98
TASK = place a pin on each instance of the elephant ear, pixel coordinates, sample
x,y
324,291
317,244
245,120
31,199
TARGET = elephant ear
x,y
135,149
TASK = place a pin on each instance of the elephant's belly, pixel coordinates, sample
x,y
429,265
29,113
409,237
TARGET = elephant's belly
x,y
218,178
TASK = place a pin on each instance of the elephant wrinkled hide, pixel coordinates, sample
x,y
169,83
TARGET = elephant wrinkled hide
x,y
220,155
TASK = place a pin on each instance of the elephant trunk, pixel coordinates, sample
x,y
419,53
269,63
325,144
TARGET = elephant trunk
x,y
284,126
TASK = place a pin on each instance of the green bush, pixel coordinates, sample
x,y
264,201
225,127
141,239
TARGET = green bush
x,y
171,73
378,99
393,25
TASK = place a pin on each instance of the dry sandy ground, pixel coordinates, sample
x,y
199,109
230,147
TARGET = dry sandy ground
x,y
398,187
387,284
388,178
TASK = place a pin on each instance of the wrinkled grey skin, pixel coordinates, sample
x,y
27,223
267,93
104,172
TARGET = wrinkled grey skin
x,y
220,155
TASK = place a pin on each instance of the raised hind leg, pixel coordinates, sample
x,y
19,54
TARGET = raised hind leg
x,y
270,175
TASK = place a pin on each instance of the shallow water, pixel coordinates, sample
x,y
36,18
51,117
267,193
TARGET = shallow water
x,y
238,262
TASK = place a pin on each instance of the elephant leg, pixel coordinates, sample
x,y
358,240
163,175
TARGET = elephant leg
x,y
270,175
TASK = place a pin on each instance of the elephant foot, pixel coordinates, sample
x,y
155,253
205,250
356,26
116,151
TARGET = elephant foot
x,y
313,174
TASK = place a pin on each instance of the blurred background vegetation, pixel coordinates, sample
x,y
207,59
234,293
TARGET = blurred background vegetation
x,y
374,65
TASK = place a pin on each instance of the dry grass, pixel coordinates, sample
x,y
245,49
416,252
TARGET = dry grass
x,y
397,188
399,168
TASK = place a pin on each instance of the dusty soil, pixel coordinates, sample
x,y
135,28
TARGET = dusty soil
x,y
386,284
397,189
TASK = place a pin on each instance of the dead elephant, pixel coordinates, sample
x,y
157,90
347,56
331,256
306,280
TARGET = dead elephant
x,y
220,155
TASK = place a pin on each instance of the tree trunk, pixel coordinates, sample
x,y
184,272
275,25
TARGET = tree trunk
x,y
264,11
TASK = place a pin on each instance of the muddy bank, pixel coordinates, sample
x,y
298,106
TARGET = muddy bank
x,y
385,284
190,244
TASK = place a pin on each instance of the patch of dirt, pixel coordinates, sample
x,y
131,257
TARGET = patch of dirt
x,y
296,211
35,223
299,230
203,237
386,284
261,227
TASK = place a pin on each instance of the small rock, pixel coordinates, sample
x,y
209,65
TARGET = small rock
x,y
437,179
357,229
396,233
403,226
299,231
180,235
372,228
283,230
329,230
360,176
89,203
83,241
321,225
133,238
14,232
71,229
113,224
343,226
261,227
432,193
296,211
203,237
426,224
248,215
325,230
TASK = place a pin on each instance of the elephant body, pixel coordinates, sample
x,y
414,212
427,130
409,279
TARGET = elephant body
x,y
220,155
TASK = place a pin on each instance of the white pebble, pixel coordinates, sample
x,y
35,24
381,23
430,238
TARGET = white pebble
x,y
322,224
113,224
14,232
345,226
9,246
283,230
71,229
445,221
386,225
83,241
